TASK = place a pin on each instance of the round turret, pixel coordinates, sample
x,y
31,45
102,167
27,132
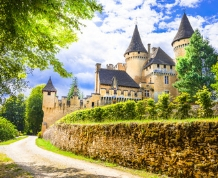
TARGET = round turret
x,y
135,56
181,40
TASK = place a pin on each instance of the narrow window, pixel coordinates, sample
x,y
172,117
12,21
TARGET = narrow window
x,y
164,66
146,93
158,65
167,92
49,93
166,79
171,67
93,104
150,80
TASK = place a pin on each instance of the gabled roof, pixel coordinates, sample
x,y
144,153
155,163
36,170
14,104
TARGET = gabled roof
x,y
136,44
185,29
49,86
160,57
123,79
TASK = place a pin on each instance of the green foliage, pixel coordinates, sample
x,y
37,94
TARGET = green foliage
x,y
215,70
7,130
151,108
129,110
183,105
39,135
13,109
32,33
194,69
164,106
74,90
141,108
205,102
34,113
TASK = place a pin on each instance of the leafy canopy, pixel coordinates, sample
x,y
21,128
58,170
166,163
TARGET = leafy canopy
x,y
34,113
32,33
13,109
194,69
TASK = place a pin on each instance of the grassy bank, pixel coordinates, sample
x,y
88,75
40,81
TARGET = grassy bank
x,y
12,140
48,146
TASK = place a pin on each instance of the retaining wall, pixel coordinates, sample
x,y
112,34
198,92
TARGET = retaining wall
x,y
176,149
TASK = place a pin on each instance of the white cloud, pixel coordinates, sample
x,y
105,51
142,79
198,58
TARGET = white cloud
x,y
107,36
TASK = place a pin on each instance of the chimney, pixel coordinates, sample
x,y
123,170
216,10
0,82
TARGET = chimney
x,y
149,50
98,66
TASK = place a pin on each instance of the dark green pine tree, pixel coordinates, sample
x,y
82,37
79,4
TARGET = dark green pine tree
x,y
74,90
195,68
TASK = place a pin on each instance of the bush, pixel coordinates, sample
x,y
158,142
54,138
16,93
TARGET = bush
x,y
7,130
39,135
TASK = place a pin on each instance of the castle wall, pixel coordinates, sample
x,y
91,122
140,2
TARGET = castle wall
x,y
188,149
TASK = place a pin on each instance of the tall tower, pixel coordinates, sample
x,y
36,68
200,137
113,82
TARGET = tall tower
x,y
49,93
182,37
135,56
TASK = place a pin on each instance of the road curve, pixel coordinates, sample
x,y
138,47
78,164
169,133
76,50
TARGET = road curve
x,y
44,164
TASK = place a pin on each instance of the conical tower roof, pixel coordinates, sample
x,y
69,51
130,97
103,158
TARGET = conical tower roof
x,y
136,44
49,86
185,29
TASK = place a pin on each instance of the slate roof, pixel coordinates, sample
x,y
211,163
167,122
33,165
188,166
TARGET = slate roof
x,y
160,57
49,86
185,29
123,79
136,44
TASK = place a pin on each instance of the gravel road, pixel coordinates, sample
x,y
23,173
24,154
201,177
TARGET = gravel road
x,y
43,164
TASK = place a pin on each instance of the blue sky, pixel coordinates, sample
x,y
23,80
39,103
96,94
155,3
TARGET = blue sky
x,y
107,36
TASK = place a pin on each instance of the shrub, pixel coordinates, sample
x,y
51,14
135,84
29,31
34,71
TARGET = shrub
x,y
141,108
205,102
7,130
183,105
151,109
39,135
129,110
164,106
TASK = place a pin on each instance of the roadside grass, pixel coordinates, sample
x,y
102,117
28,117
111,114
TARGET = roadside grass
x,y
12,140
44,144
10,170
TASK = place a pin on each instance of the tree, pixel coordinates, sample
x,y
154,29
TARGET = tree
x,y
7,130
205,102
74,90
215,70
194,69
34,113
14,111
32,33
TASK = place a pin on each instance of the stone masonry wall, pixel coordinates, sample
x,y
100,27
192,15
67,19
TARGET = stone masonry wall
x,y
174,149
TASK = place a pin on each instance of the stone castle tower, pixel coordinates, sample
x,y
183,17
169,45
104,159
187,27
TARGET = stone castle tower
x,y
135,56
182,38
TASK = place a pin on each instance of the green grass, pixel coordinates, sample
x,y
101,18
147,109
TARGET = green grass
x,y
12,140
9,169
143,121
48,146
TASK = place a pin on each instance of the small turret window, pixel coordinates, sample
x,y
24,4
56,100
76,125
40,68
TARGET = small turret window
x,y
138,52
158,65
49,93
164,66
171,67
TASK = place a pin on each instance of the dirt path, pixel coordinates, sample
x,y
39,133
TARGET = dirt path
x,y
43,164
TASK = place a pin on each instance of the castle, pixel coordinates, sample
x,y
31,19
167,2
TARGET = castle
x,y
145,73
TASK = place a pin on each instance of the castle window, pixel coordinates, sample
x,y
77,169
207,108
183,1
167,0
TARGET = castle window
x,y
93,104
158,65
164,66
171,67
49,93
167,92
138,52
166,79
146,93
